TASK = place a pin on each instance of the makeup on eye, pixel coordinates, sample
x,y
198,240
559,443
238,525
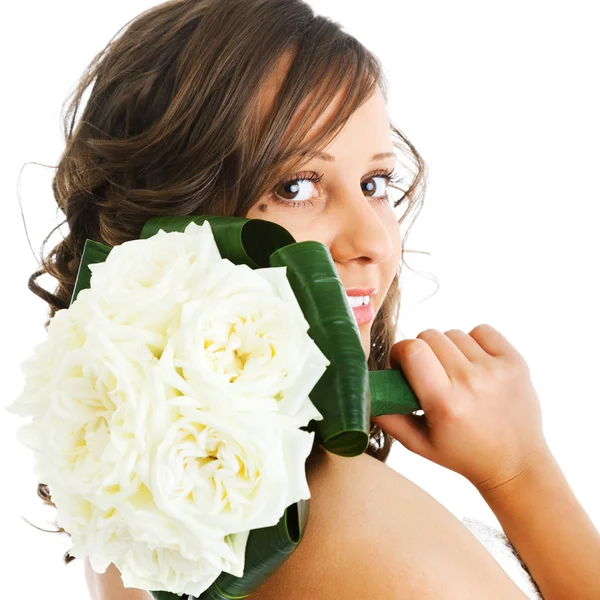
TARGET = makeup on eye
x,y
389,175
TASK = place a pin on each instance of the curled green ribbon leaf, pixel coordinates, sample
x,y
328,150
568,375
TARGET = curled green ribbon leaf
x,y
347,395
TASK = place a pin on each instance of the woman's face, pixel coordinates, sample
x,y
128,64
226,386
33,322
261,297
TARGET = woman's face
x,y
346,210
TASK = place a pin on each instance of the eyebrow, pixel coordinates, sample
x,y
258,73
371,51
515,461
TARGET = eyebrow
x,y
330,158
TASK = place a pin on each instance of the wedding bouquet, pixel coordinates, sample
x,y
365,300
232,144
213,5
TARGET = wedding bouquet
x,y
176,400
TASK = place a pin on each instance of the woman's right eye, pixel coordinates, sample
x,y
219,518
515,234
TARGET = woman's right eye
x,y
286,191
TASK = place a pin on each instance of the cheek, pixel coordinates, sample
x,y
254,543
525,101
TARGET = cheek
x,y
393,261
393,228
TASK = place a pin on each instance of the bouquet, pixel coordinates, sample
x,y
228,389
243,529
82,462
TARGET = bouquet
x,y
176,401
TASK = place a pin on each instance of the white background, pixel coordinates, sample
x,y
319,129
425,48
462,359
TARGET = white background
x,y
501,99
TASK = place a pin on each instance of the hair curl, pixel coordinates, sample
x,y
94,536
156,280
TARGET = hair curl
x,y
171,128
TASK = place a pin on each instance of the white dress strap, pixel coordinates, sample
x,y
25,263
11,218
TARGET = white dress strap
x,y
499,546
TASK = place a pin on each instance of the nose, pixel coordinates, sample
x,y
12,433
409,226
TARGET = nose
x,y
359,233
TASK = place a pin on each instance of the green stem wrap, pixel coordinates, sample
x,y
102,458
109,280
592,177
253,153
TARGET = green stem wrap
x,y
347,395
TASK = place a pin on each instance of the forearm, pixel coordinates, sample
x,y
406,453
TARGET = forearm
x,y
554,536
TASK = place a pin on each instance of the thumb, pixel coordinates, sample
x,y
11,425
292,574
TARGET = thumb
x,y
411,431
427,378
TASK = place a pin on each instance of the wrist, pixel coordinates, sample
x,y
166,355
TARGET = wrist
x,y
536,464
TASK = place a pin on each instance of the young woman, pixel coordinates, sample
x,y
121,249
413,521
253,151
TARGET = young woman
x,y
262,109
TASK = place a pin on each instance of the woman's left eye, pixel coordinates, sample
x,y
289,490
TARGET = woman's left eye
x,y
293,186
387,177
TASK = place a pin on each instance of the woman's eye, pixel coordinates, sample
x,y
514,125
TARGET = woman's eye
x,y
296,190
370,187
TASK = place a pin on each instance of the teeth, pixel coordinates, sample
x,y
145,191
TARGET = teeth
x,y
358,300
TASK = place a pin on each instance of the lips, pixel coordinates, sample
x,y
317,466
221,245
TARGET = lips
x,y
356,291
360,301
363,314
361,305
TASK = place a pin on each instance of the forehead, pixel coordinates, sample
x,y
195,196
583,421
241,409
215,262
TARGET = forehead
x,y
370,119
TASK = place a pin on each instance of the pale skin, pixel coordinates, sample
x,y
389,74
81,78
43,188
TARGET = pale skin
x,y
388,538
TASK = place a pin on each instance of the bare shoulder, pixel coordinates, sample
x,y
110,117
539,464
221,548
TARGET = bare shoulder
x,y
109,585
374,534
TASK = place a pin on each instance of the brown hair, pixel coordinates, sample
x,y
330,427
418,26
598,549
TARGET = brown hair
x,y
171,128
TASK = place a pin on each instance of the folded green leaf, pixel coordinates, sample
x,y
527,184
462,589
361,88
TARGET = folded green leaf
x,y
242,241
93,252
391,393
267,549
168,596
342,393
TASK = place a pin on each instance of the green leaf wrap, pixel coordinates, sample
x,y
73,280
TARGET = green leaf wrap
x,y
342,394
93,252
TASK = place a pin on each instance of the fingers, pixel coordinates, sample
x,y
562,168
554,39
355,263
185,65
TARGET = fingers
x,y
410,430
494,343
480,341
466,344
425,373
448,353
434,361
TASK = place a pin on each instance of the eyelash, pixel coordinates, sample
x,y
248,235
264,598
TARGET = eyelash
x,y
389,175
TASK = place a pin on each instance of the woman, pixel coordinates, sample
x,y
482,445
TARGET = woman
x,y
219,107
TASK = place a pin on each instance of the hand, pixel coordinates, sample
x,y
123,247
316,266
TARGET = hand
x,y
482,415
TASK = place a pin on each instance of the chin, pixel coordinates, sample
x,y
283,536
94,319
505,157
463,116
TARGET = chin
x,y
365,338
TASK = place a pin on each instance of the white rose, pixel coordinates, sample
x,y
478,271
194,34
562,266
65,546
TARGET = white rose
x,y
234,471
144,282
246,347
85,389
150,550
